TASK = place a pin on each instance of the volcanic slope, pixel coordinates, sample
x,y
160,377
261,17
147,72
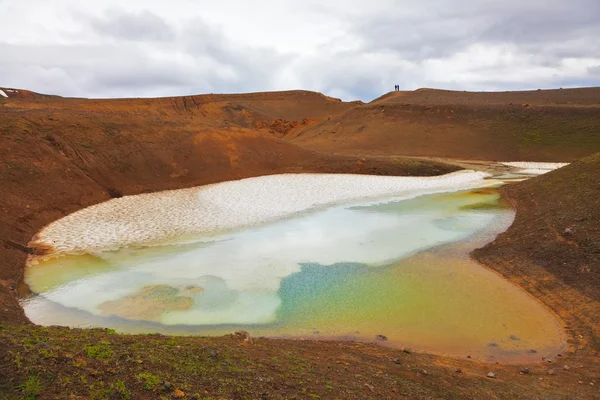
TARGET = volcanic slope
x,y
541,125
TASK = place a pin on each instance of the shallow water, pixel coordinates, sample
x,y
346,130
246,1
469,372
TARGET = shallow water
x,y
397,268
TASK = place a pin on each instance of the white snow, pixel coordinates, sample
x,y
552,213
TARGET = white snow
x,y
534,168
152,218
3,94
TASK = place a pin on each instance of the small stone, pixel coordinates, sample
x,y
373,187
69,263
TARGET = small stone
x,y
178,394
524,371
581,382
458,371
551,372
559,355
381,337
532,351
591,383
167,384
407,351
513,337
493,345
491,375
468,356
396,361
566,368
41,344
424,372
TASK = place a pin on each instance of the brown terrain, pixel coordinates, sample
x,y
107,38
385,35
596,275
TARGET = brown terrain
x,y
58,155
548,125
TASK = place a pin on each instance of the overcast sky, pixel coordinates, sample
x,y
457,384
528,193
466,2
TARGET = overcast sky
x,y
353,49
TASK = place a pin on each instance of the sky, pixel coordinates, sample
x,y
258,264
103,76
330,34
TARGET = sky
x,y
351,49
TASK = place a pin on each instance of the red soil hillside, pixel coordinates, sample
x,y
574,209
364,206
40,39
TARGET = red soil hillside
x,y
544,125
11,93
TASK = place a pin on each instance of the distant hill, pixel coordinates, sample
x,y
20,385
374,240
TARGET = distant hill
x,y
541,125
11,93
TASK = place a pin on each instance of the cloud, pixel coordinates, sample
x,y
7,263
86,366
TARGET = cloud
x,y
141,26
348,49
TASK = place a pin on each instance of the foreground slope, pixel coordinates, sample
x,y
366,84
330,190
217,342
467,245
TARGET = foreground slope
x,y
545,125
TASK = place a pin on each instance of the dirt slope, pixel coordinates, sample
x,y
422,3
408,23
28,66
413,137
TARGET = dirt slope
x,y
545,125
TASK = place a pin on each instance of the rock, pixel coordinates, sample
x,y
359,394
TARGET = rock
x,y
513,337
381,337
524,371
493,345
396,361
167,384
178,394
532,351
491,375
458,371
370,387
41,344
566,368
407,351
424,372
551,372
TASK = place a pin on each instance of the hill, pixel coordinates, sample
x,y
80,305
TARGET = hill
x,y
544,125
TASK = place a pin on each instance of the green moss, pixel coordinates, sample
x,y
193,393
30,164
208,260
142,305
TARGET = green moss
x,y
100,351
149,380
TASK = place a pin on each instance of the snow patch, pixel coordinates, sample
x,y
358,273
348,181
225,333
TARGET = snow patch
x,y
3,94
534,168
155,217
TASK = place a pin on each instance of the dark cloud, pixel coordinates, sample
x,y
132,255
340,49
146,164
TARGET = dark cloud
x,y
451,26
141,26
594,71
